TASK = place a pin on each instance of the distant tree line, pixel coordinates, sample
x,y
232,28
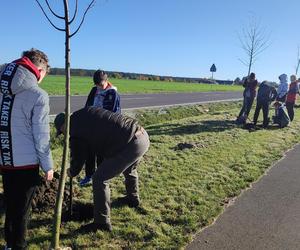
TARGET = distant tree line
x,y
137,76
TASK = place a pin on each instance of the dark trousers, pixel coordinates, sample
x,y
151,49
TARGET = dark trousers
x,y
19,187
247,105
265,107
90,163
125,162
290,109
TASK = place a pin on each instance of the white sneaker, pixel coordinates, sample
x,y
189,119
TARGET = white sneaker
x,y
7,248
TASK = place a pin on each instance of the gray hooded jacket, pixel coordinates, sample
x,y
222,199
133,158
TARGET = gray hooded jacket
x,y
283,85
24,121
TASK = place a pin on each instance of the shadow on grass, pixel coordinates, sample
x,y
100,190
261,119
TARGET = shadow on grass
x,y
119,202
203,126
41,239
80,212
36,223
251,128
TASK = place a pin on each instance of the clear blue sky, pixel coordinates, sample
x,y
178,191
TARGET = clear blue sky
x,y
163,37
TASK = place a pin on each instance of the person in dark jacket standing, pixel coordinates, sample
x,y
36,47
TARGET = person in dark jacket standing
x,y
120,140
103,95
24,140
249,94
292,96
265,95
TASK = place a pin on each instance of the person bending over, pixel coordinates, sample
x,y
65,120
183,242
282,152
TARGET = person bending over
x,y
120,141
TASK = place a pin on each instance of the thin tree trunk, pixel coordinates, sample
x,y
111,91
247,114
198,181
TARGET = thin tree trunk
x,y
62,179
297,68
250,65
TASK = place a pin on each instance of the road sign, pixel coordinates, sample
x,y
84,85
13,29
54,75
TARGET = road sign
x,y
213,68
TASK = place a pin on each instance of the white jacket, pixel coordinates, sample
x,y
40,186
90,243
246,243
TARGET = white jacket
x,y
24,121
283,85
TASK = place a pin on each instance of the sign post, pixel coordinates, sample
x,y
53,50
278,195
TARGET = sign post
x,y
212,70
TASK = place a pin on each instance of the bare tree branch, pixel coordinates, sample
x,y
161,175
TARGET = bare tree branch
x,y
298,60
254,41
243,62
53,25
61,17
83,17
75,13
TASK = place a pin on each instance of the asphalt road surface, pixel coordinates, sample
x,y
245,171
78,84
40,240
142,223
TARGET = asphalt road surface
x,y
267,216
133,101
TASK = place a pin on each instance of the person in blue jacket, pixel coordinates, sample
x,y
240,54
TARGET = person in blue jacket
x,y
103,95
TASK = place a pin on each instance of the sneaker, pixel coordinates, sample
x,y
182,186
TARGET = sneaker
x,y
7,248
85,181
93,227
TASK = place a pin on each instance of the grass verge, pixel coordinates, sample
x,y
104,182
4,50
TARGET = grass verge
x,y
55,85
198,160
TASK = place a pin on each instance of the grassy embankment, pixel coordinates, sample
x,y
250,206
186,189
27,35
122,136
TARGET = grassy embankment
x,y
198,160
54,85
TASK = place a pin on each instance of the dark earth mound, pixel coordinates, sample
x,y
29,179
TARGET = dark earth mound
x,y
187,145
45,195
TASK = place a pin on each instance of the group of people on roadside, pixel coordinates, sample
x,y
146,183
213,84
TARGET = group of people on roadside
x,y
103,140
98,132
285,97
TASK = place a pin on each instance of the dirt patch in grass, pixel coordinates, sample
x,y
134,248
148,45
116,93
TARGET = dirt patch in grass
x,y
188,145
45,195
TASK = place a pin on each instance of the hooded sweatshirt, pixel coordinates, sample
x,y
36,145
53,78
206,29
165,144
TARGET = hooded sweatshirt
x,y
24,122
283,86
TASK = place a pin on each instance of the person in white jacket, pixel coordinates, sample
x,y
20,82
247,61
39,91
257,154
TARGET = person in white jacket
x,y
24,139
282,88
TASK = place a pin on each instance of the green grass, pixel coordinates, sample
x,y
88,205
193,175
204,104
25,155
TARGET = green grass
x,y
54,85
182,189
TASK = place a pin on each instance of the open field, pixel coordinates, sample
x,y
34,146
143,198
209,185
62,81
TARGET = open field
x,y
55,85
198,160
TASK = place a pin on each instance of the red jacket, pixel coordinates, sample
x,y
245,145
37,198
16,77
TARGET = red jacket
x,y
292,93
250,88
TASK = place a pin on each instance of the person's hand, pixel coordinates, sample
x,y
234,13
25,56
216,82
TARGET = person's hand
x,y
49,175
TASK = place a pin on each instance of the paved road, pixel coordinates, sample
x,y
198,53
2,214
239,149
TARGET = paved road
x,y
57,103
267,216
